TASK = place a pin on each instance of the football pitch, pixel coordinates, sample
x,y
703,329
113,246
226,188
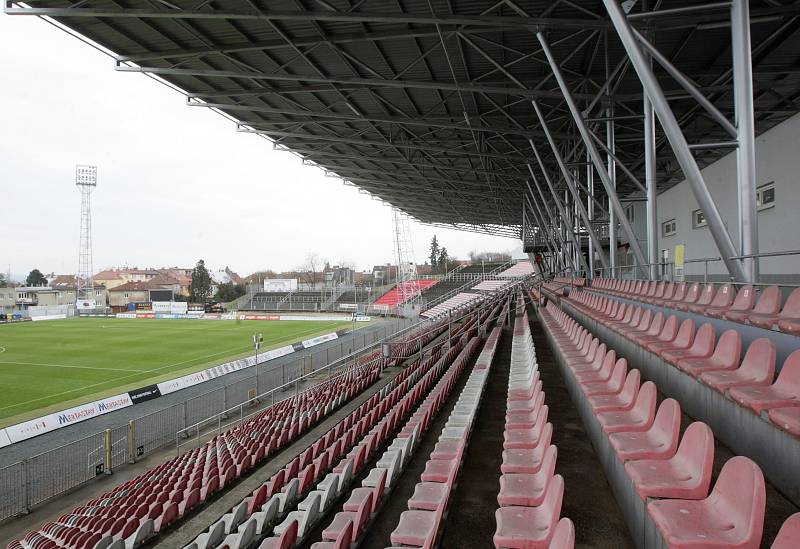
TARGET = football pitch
x,y
51,365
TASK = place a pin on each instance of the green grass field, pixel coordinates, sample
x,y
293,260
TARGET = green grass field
x,y
48,366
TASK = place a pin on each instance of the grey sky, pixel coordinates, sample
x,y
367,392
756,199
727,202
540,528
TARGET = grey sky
x,y
175,183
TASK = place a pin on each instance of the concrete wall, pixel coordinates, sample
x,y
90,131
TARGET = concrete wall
x,y
778,160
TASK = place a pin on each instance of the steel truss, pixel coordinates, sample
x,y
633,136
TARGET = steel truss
x,y
480,115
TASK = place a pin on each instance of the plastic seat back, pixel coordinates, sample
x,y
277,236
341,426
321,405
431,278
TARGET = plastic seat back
x,y
656,325
789,376
668,420
636,317
729,348
696,454
345,537
670,329
791,309
769,302
789,535
630,390
741,494
723,297
685,335
564,537
745,299
759,360
645,406
706,295
692,293
680,291
618,376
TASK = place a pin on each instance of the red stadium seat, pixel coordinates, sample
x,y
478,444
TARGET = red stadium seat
x,y
686,475
765,313
745,299
725,357
731,516
530,527
757,368
638,418
783,393
658,442
789,535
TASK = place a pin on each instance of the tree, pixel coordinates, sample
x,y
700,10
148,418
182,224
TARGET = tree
x,y
200,288
434,257
229,291
36,278
309,268
443,260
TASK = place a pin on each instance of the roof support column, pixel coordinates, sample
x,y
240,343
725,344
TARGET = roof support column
x,y
568,180
612,181
557,257
650,182
593,152
540,226
676,139
590,208
745,127
561,212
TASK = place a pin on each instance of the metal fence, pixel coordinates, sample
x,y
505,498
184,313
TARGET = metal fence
x,y
37,479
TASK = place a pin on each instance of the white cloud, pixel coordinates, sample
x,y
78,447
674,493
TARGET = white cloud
x,y
175,183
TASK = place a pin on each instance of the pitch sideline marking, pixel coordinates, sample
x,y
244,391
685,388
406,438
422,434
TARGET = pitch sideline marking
x,y
66,366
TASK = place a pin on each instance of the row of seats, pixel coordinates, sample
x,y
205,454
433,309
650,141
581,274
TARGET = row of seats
x,y
717,301
672,474
256,515
137,510
521,268
363,502
318,499
750,380
348,526
396,295
453,304
530,494
419,526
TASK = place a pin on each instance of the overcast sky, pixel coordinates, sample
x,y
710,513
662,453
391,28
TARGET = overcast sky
x,y
176,183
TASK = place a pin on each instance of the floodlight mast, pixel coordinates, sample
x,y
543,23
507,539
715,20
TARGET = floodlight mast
x,y
86,181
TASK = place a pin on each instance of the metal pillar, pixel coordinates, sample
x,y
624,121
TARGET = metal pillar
x,y
568,180
557,201
676,139
593,152
546,229
650,182
552,225
540,226
612,178
590,208
745,127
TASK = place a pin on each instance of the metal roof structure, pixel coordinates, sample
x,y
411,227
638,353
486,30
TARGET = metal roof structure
x,y
429,104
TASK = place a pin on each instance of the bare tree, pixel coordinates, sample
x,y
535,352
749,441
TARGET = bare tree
x,y
309,269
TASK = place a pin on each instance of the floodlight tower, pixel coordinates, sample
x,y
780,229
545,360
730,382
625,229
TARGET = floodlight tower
x,y
404,250
86,181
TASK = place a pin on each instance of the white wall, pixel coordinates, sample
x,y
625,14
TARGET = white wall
x,y
778,160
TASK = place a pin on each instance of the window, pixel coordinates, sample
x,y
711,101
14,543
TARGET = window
x,y
698,219
669,228
765,196
125,294
629,213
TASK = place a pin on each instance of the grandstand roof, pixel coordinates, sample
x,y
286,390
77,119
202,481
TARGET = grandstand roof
x,y
427,104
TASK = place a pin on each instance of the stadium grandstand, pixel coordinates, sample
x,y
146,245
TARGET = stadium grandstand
x,y
635,382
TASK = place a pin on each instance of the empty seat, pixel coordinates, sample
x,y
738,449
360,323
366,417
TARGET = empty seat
x,y
731,516
789,535
744,301
285,541
623,400
787,419
789,317
658,442
725,357
686,475
757,368
682,339
723,298
564,536
638,418
530,527
765,313
527,489
417,528
783,393
701,347
342,542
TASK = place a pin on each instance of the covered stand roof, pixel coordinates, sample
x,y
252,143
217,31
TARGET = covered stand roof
x,y
426,104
